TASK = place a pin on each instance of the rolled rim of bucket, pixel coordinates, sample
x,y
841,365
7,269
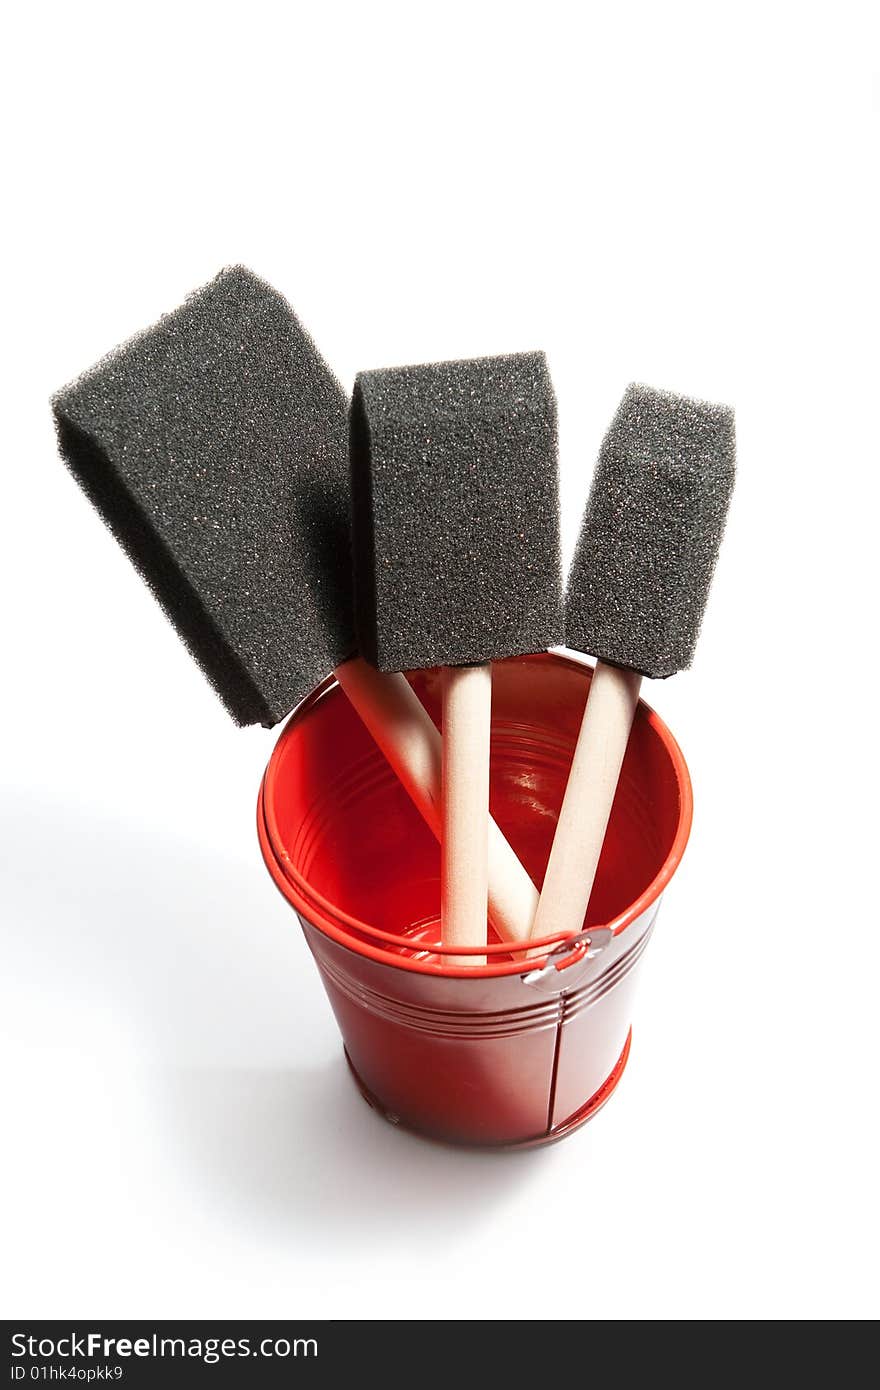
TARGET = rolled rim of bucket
x,y
397,950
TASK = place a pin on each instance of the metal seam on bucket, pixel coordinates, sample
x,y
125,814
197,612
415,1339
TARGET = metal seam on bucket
x,y
579,1000
554,1068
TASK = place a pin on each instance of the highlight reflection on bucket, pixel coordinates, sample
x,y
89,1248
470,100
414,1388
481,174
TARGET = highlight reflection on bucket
x,y
514,1052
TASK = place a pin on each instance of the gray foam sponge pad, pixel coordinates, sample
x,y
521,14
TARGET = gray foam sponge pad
x,y
215,445
455,512
650,535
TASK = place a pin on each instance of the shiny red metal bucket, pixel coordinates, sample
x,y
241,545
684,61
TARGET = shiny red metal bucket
x,y
514,1052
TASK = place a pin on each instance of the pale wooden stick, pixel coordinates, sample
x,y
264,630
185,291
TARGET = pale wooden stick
x,y
404,731
589,794
464,881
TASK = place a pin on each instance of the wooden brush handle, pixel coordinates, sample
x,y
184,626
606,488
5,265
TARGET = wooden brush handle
x,y
464,881
589,794
404,731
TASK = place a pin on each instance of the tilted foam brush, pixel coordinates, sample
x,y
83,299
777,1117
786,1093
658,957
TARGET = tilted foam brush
x,y
635,599
456,546
215,446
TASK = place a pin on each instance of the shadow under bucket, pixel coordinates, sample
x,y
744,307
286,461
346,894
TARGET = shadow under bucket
x,y
513,1052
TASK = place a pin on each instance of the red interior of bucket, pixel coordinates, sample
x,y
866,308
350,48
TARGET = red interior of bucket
x,y
336,815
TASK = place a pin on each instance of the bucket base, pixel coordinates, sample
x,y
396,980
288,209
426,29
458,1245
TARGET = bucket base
x,y
580,1117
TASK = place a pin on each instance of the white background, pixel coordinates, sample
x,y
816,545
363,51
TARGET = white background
x,y
680,194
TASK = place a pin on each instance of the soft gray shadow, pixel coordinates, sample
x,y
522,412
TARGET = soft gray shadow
x,y
199,952
302,1154
207,964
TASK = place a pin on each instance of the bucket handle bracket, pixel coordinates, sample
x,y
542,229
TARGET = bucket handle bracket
x,y
585,946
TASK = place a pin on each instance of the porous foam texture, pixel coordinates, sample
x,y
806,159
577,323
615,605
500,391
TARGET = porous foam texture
x,y
650,535
455,505
215,446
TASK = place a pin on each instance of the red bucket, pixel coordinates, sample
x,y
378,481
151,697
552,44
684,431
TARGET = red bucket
x,y
514,1052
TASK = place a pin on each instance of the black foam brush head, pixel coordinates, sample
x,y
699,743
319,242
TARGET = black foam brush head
x,y
455,512
215,446
650,535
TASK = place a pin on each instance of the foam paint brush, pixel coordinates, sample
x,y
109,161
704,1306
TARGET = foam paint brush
x,y
215,446
635,599
456,547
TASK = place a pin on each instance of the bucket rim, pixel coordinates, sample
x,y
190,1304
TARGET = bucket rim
x,y
329,918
